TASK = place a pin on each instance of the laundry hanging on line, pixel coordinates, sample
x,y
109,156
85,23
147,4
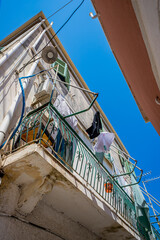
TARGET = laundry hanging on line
x,y
94,130
104,141
62,107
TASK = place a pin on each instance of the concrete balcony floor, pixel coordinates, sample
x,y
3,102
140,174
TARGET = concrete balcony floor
x,y
40,198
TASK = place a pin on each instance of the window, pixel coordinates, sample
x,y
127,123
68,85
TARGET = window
x,y
63,72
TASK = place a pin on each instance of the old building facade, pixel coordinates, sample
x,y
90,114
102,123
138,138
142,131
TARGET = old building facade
x,y
57,184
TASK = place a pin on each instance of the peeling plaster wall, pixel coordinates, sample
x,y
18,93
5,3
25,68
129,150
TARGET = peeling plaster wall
x,y
10,86
38,189
14,198
60,223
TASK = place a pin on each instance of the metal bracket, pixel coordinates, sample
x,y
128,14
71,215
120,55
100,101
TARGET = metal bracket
x,y
129,173
135,182
85,110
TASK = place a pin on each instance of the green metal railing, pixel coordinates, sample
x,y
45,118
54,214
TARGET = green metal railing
x,y
45,125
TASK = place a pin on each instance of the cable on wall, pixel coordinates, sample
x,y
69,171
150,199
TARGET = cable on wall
x,y
23,105
21,85
21,69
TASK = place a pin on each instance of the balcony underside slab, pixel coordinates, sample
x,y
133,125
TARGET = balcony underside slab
x,y
37,186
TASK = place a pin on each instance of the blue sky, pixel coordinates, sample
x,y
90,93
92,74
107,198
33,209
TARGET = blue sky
x,y
86,44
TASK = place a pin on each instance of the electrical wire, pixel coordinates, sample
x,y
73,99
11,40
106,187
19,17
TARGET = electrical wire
x,y
54,35
22,113
23,95
23,104
20,82
46,19
59,9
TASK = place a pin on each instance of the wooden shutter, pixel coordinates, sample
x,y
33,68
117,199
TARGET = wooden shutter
x,y
62,71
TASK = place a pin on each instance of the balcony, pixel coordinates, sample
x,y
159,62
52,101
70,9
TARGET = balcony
x,y
47,129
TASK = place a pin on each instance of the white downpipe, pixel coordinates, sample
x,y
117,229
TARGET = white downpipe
x,y
14,67
41,35
7,55
8,118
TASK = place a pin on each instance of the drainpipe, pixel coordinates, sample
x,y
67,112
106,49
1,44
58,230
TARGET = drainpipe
x,y
39,38
9,53
14,67
25,53
8,118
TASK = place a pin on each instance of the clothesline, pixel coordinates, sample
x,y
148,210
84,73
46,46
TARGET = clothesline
x,y
74,110
123,153
78,116
83,89
153,198
65,99
112,144
120,155
61,105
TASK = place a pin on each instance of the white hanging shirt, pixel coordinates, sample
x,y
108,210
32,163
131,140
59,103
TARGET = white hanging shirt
x,y
104,141
62,107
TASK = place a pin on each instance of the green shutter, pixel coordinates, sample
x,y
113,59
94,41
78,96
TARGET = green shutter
x,y
62,71
67,78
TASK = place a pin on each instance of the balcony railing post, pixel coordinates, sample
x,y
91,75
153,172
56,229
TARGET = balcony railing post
x,y
79,159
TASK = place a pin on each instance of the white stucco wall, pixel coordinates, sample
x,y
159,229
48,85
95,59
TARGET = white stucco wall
x,y
78,101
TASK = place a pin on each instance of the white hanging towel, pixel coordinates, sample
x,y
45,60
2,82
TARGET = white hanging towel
x,y
62,107
104,141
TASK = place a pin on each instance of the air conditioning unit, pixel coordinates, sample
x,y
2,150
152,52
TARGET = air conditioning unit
x,y
44,89
43,92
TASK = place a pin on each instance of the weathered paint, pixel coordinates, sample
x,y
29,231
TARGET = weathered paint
x,y
49,190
